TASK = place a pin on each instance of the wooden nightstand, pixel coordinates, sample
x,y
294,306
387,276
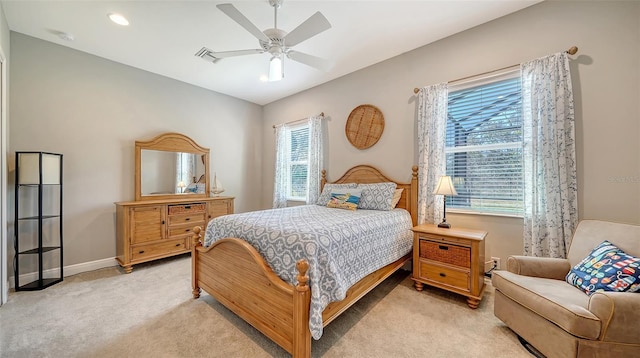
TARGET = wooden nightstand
x,y
452,259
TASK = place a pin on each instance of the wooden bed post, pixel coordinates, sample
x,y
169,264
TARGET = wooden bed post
x,y
195,243
301,305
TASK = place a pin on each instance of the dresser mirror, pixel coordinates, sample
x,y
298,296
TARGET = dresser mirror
x,y
171,166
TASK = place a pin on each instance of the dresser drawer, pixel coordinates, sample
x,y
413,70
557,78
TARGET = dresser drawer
x,y
187,208
194,219
446,253
184,230
445,275
142,252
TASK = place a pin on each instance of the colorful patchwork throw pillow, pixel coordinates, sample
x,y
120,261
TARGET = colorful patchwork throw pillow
x,y
324,197
606,268
344,199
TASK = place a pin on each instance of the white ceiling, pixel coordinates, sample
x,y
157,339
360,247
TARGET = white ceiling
x,y
163,36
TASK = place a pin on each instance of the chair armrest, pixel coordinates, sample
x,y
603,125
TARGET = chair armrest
x,y
543,267
619,313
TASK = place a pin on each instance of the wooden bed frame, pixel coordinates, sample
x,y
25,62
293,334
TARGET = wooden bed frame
x,y
237,276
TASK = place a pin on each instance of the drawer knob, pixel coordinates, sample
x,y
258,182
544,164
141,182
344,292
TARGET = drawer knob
x,y
187,230
442,274
187,219
141,252
177,245
187,206
442,247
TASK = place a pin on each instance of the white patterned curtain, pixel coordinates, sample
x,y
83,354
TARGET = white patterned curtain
x,y
315,163
432,123
550,183
185,170
280,177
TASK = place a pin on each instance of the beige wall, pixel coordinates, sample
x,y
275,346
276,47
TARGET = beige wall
x,y
605,76
92,110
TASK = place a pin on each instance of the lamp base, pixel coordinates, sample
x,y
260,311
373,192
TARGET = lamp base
x,y
445,225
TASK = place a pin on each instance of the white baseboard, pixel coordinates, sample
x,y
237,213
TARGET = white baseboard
x,y
68,270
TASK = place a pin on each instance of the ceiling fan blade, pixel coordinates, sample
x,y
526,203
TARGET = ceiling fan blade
x,y
214,57
237,16
309,28
225,54
309,60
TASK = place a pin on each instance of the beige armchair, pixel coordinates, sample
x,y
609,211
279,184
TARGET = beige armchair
x,y
558,319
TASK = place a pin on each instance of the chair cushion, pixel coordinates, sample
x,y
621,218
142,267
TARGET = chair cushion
x,y
554,300
606,268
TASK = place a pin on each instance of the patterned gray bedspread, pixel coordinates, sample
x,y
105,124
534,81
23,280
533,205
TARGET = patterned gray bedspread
x,y
341,246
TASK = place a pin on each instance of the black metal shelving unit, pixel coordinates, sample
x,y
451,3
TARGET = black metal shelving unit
x,y
38,220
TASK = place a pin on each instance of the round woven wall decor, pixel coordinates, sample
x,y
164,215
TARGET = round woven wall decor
x,y
364,126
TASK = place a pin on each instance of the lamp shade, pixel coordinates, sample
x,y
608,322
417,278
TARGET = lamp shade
x,y
445,186
275,69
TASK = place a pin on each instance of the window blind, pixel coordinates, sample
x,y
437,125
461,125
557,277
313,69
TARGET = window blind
x,y
484,147
298,161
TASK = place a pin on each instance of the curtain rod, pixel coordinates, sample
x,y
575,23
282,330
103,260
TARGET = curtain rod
x,y
295,122
571,51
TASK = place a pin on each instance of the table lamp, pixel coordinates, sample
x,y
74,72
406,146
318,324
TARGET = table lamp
x,y
444,188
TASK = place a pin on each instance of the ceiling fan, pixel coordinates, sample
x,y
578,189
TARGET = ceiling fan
x,y
276,42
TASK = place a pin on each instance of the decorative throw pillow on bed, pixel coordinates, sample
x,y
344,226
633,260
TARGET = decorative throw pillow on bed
x,y
606,268
396,198
376,196
344,199
324,197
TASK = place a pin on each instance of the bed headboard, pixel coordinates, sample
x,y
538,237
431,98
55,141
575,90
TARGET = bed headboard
x,y
367,174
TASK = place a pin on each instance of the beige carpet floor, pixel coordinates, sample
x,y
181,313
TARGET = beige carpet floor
x,y
150,313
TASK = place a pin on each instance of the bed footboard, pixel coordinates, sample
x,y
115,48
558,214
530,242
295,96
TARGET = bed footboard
x,y
235,274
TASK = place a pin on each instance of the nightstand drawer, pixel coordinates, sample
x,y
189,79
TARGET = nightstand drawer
x,y
446,253
445,275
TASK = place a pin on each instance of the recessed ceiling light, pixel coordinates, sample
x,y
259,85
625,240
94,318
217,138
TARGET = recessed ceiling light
x,y
264,78
118,19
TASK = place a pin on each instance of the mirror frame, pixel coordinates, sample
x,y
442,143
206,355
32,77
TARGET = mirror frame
x,y
171,142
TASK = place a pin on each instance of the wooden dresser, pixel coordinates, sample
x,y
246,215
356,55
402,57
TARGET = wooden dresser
x,y
153,229
451,259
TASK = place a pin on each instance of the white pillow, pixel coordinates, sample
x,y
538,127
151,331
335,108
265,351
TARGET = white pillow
x,y
396,198
376,196
324,197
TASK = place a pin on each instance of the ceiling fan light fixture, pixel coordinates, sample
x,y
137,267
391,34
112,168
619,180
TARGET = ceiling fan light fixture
x,y
275,41
275,69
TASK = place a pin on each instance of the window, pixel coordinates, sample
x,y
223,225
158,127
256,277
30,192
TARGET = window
x,y
484,146
297,162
